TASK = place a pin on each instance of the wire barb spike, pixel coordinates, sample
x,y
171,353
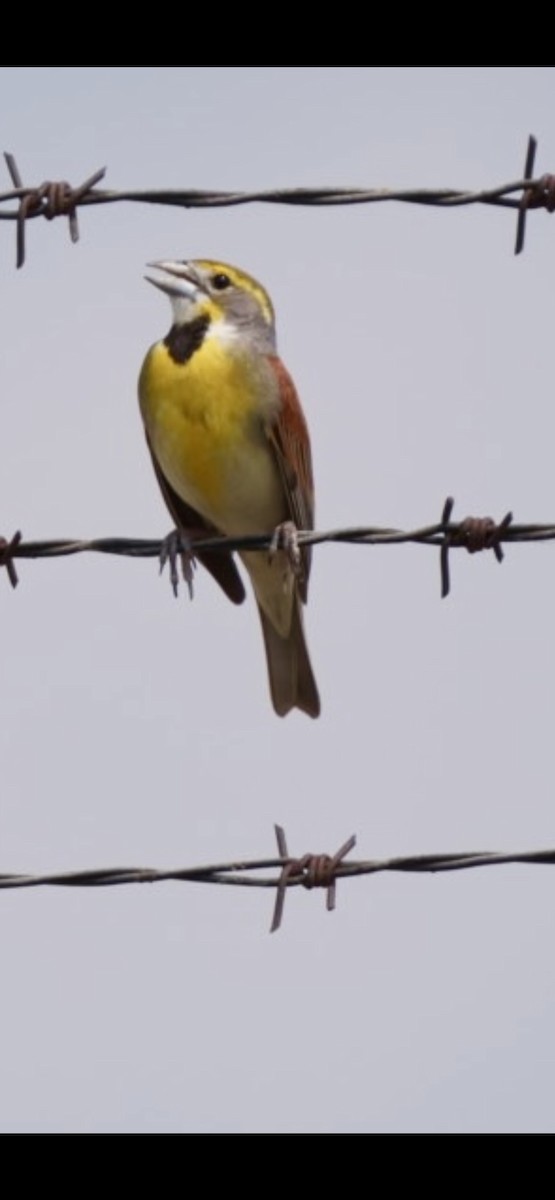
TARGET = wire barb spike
x,y
525,198
474,534
7,550
312,870
540,193
49,200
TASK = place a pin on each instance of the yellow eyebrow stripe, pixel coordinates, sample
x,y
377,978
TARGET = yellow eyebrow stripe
x,y
243,280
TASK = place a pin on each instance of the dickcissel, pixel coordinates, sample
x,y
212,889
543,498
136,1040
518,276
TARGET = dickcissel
x,y
231,450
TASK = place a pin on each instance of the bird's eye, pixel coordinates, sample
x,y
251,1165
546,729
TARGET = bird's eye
x,y
220,281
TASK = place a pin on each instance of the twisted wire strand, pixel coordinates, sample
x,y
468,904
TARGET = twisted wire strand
x,y
58,199
310,871
236,873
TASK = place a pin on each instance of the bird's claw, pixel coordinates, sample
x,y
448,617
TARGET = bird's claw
x,y
286,538
177,545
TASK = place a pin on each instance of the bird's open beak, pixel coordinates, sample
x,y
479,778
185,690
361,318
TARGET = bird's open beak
x,y
175,279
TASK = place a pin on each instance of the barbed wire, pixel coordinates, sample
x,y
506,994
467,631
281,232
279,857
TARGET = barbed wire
x,y
473,534
59,199
310,871
52,199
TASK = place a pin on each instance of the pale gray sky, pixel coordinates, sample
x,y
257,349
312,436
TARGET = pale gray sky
x,y
138,730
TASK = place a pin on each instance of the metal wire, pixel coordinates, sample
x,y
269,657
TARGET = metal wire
x,y
501,196
236,872
309,871
472,533
53,199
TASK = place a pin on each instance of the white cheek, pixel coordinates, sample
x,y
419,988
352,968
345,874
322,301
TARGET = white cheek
x,y
223,332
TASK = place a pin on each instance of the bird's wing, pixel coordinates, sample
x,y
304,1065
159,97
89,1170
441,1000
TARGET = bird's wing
x,y
220,563
290,441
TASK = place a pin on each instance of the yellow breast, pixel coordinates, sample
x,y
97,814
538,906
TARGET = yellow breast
x,y
205,423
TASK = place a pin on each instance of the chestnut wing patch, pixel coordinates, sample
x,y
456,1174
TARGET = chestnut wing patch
x,y
290,441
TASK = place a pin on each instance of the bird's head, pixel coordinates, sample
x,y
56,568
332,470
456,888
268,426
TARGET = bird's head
x,y
222,295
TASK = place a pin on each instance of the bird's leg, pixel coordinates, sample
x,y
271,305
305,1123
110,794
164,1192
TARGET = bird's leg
x,y
178,545
286,538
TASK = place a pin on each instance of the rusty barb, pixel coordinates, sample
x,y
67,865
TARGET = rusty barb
x,y
473,533
49,200
310,871
540,194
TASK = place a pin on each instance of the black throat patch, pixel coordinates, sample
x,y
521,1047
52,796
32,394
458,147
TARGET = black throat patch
x,y
183,340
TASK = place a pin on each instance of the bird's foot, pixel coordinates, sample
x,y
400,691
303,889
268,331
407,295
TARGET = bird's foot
x,y
286,538
177,545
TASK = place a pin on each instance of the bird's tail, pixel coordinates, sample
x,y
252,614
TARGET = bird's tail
x,y
292,683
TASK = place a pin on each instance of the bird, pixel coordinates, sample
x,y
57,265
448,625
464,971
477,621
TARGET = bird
x,y
231,451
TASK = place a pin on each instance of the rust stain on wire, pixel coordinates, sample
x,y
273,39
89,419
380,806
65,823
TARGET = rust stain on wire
x,y
49,200
53,199
474,533
308,871
312,870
